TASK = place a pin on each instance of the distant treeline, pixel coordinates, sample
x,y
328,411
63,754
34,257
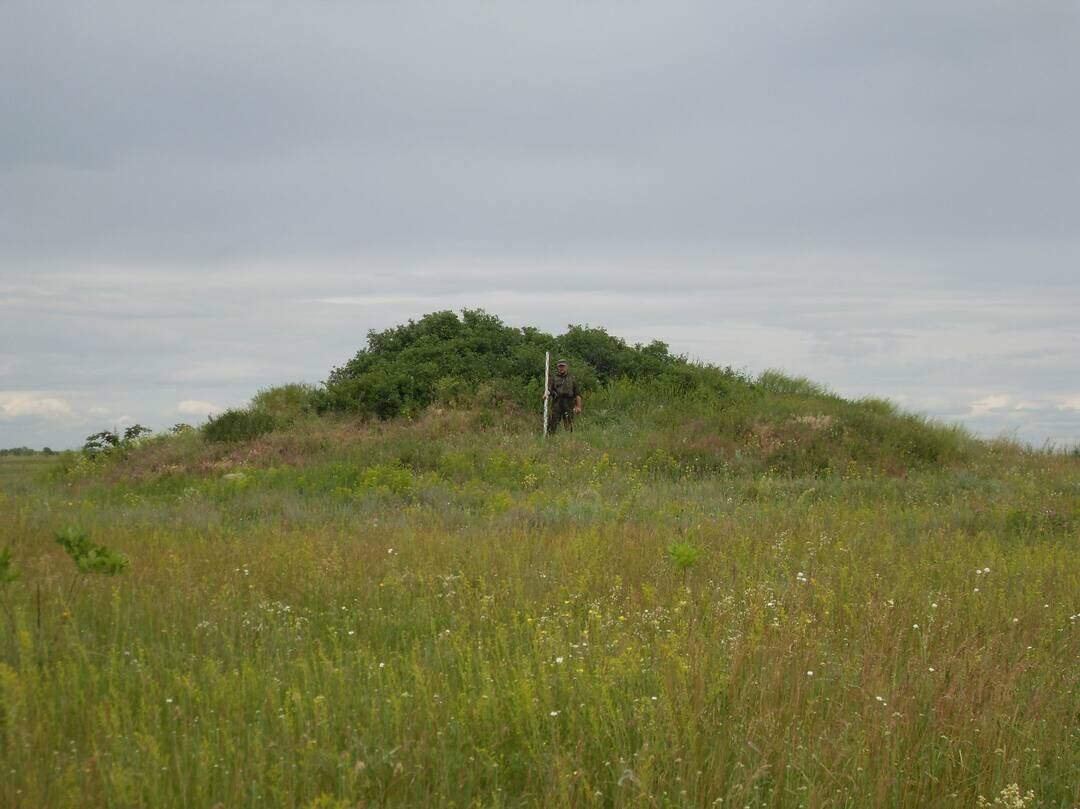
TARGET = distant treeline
x,y
25,451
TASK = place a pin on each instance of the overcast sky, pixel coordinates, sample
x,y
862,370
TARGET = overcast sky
x,y
198,200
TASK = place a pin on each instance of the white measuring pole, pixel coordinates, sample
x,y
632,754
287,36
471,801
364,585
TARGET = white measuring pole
x,y
547,388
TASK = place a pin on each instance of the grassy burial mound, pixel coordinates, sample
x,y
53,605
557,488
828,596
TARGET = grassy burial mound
x,y
447,378
392,591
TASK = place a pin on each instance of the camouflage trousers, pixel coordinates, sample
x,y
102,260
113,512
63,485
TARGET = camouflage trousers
x,y
561,411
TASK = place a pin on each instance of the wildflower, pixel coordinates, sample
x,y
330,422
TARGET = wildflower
x,y
931,668
554,713
1010,798
914,626
809,674
559,660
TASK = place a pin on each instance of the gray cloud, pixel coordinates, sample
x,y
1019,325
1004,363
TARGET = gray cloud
x,y
197,200
357,127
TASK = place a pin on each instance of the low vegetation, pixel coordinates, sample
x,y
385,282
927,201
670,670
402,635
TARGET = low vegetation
x,y
719,591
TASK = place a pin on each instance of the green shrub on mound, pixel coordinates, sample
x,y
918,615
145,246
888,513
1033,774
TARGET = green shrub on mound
x,y
239,425
287,403
463,360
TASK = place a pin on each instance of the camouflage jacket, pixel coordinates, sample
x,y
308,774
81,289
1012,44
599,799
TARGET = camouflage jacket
x,y
564,387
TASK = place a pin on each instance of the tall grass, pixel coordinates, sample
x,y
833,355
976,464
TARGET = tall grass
x,y
454,612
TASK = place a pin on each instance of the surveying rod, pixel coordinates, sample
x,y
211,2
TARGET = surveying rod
x,y
547,388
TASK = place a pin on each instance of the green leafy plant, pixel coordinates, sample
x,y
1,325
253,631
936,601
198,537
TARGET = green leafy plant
x,y
391,479
88,556
7,573
684,555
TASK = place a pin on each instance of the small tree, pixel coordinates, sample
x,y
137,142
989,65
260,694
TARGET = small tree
x,y
101,443
683,555
107,442
134,433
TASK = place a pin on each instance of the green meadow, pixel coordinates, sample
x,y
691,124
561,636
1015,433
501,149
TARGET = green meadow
x,y
767,598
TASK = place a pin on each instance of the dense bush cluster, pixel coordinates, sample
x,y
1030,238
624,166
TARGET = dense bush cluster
x,y
270,409
286,403
239,425
475,357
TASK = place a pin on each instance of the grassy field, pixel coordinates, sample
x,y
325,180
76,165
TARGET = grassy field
x,y
18,471
817,605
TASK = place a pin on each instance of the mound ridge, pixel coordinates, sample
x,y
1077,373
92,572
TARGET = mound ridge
x,y
416,392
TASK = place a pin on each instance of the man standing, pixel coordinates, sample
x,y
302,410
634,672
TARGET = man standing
x,y
565,398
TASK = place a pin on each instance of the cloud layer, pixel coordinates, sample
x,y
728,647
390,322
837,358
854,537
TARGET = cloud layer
x,y
200,200
22,404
